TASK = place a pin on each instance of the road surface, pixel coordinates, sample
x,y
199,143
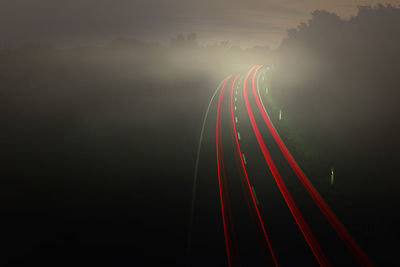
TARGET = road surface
x,y
254,205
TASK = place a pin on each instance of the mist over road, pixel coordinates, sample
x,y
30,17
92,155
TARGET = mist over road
x,y
98,145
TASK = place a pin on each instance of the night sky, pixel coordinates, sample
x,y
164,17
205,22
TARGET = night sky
x,y
77,22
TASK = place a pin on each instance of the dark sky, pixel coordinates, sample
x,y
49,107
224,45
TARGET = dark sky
x,y
243,22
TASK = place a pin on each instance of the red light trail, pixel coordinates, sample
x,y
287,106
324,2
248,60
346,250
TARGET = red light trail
x,y
253,200
333,221
223,191
305,229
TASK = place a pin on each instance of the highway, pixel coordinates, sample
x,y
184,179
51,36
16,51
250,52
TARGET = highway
x,y
254,205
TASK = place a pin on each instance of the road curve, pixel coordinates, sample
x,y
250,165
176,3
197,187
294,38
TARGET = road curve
x,y
286,222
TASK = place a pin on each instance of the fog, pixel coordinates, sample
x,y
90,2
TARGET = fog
x,y
102,139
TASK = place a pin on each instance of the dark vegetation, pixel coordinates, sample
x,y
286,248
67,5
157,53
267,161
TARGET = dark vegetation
x,y
98,143
338,82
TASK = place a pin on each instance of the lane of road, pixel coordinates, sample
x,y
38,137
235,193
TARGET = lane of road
x,y
305,229
229,233
247,188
